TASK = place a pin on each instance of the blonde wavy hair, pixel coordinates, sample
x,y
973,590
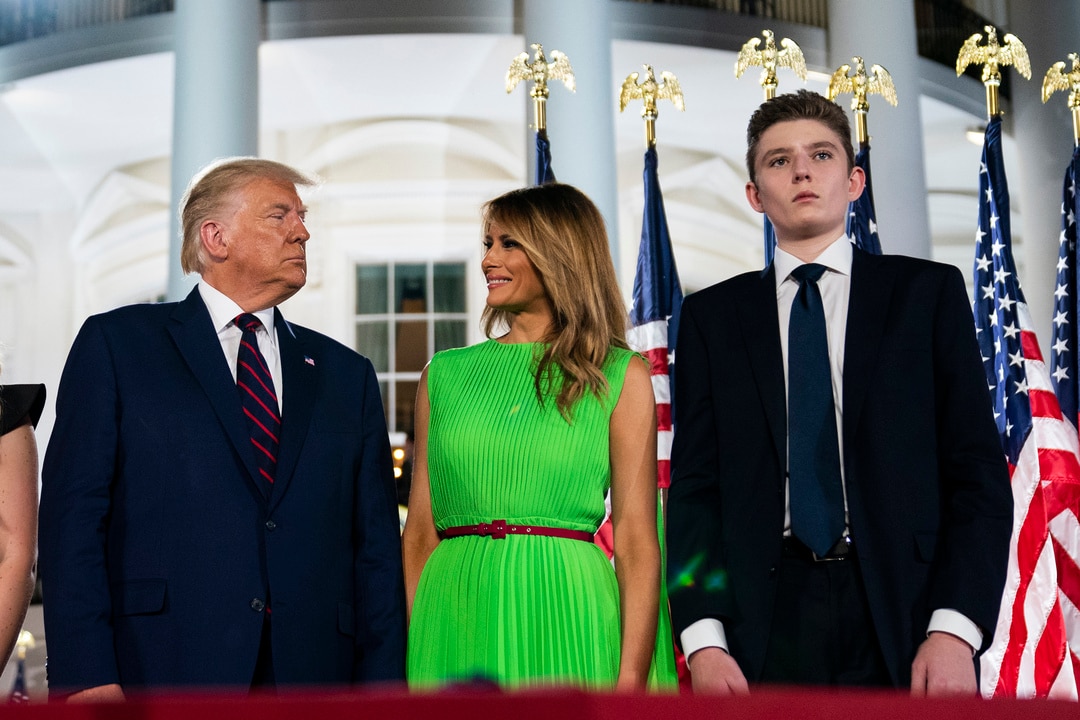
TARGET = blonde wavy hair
x,y
563,234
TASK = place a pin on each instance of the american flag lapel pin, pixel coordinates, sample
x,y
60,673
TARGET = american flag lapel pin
x,y
309,360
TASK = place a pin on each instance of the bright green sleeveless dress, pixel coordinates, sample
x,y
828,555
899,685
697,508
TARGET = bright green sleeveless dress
x,y
524,611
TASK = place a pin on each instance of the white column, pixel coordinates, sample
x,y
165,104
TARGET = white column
x,y
216,98
883,33
1043,135
581,126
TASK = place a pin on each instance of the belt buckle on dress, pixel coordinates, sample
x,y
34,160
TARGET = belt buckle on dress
x,y
496,529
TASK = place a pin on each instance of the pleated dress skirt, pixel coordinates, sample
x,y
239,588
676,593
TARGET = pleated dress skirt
x,y
520,611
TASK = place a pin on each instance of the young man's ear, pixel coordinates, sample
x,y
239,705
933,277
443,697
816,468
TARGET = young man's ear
x,y
856,183
753,197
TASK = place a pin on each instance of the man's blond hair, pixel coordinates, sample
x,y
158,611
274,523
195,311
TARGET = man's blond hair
x,y
213,188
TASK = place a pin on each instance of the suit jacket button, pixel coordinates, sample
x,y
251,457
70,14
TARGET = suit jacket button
x,y
271,525
257,605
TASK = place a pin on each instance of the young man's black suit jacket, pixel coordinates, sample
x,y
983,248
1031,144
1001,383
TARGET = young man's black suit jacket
x,y
929,502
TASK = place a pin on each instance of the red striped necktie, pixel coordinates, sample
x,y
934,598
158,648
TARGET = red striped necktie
x,y
257,397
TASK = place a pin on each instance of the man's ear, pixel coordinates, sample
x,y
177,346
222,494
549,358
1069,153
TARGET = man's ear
x,y
214,242
753,197
856,183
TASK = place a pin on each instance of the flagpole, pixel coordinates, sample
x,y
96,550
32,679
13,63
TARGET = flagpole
x,y
1057,78
649,91
769,58
654,316
992,56
861,85
862,216
538,72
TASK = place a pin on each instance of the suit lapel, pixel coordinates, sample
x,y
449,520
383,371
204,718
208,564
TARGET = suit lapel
x,y
300,378
760,327
193,332
868,308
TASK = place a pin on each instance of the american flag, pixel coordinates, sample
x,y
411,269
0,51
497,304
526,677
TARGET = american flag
x,y
654,317
654,320
1064,352
1030,655
654,325
862,219
770,242
544,174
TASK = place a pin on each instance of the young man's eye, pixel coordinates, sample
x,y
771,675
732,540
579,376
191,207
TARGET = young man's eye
x,y
823,155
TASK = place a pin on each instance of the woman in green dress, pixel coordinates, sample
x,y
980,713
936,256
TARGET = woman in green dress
x,y
517,441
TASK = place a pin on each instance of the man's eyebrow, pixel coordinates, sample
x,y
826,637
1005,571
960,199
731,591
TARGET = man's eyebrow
x,y
776,151
286,207
814,147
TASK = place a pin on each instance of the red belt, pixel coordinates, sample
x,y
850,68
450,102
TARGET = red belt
x,y
498,529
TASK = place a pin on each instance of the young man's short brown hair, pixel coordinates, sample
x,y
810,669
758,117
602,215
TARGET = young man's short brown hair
x,y
801,105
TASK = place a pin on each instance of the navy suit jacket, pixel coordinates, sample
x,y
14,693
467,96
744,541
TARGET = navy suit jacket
x,y
161,551
929,501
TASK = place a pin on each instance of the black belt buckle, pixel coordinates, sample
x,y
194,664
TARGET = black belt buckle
x,y
840,551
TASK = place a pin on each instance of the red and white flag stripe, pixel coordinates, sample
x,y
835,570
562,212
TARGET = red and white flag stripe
x,y
651,341
1036,647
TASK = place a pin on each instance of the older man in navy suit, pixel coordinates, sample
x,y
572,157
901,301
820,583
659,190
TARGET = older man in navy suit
x,y
218,500
840,509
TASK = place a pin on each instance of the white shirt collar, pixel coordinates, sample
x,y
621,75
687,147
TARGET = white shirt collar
x,y
837,257
223,310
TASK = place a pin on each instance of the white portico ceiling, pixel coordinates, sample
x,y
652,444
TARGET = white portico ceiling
x,y
63,133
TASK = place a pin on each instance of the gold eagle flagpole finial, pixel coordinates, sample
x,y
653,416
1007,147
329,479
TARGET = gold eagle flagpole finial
x,y
1057,78
992,56
540,71
649,91
769,58
860,85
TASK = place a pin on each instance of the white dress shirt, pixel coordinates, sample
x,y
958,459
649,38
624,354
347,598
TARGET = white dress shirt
x,y
223,312
835,286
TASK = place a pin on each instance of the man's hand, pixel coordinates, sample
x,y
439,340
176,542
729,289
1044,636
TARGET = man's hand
x,y
943,666
99,694
714,672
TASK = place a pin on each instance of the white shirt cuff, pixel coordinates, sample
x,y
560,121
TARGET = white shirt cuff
x,y
707,632
955,623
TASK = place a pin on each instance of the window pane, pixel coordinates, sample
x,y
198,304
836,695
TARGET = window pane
x,y
411,346
449,291
410,288
449,334
372,340
371,287
405,402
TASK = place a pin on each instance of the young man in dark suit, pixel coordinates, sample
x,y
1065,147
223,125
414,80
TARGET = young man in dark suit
x,y
218,499
840,509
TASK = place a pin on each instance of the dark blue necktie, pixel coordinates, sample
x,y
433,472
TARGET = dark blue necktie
x,y
815,491
257,397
